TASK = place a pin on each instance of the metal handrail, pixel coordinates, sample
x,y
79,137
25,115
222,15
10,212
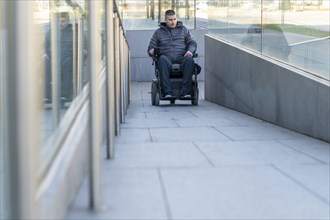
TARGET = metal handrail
x,y
309,41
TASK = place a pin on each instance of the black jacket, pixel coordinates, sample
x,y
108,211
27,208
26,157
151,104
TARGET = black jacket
x,y
66,42
173,42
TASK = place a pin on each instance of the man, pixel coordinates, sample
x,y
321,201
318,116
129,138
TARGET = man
x,y
66,57
176,45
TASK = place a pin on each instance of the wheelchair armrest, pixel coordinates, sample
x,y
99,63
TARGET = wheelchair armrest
x,y
195,55
154,58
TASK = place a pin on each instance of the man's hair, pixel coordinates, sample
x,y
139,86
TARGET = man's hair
x,y
169,12
65,15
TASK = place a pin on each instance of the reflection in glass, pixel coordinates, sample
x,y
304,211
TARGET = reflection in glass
x,y
65,50
63,57
295,32
269,40
243,21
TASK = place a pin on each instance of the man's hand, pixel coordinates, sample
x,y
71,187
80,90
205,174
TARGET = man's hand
x,y
188,54
151,51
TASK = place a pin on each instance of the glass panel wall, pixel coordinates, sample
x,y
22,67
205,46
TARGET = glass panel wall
x,y
63,55
33,128
147,14
292,31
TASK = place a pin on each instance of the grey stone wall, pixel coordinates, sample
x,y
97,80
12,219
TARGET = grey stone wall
x,y
266,89
141,63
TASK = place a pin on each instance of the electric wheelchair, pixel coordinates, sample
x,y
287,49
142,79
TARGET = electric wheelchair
x,y
176,76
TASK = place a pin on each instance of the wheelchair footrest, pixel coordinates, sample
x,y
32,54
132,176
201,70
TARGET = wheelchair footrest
x,y
168,98
186,98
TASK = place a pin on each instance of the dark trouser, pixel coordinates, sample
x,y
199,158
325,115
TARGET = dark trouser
x,y
66,79
164,65
48,79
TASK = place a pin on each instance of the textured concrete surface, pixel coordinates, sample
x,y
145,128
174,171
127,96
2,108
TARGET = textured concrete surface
x,y
208,162
264,88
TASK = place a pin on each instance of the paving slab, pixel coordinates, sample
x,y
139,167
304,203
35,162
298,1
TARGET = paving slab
x,y
252,153
185,134
263,132
313,177
127,194
208,162
155,155
315,148
239,192
133,135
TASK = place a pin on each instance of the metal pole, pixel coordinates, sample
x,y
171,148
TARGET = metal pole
x,y
117,75
122,75
152,9
187,10
94,29
4,137
159,10
80,58
148,8
55,64
74,53
262,26
195,14
110,79
126,78
21,111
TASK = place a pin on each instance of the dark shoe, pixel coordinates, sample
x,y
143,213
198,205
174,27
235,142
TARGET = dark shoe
x,y
66,99
47,101
185,94
169,95
63,99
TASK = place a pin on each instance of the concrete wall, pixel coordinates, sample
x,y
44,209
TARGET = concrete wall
x,y
266,89
141,63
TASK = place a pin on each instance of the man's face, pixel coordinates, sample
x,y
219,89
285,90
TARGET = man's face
x,y
171,21
63,23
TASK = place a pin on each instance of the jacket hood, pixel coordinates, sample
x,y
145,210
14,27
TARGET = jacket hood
x,y
163,24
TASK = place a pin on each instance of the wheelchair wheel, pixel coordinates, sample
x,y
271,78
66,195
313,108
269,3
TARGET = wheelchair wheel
x,y
157,99
194,101
154,91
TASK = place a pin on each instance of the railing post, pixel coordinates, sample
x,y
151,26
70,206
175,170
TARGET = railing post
x,y
55,64
122,76
20,111
94,29
117,74
110,79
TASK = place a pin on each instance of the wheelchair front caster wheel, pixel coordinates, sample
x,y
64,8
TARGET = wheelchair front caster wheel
x,y
194,101
157,99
